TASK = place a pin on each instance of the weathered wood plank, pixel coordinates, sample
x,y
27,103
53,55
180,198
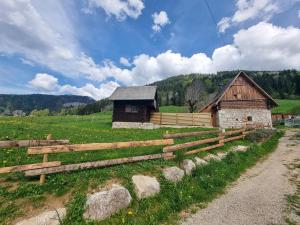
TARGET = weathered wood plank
x,y
228,133
204,149
29,167
97,146
28,143
189,144
234,138
96,164
190,134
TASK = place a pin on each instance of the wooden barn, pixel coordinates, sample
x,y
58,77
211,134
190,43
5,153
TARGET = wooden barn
x,y
132,106
241,102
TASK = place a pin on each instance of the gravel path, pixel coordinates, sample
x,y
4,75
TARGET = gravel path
x,y
258,197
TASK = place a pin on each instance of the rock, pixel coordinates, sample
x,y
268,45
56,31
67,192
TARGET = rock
x,y
240,148
52,217
173,174
200,162
101,205
221,155
295,173
145,186
188,166
212,157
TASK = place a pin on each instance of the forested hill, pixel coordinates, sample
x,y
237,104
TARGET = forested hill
x,y
27,103
202,88
177,90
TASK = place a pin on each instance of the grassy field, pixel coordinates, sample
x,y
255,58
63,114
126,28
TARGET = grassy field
x,y
173,109
286,106
20,196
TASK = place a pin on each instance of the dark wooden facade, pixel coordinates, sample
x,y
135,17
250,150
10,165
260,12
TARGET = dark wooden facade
x,y
240,93
141,112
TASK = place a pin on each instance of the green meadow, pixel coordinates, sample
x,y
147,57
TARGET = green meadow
x,y
20,195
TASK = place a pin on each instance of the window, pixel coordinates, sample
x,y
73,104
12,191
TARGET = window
x,y
131,108
249,118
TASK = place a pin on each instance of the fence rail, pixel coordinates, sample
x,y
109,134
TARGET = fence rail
x,y
29,143
182,119
46,167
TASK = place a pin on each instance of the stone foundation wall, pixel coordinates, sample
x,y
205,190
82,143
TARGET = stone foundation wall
x,y
233,118
136,125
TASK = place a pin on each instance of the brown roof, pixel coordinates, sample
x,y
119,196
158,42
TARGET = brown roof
x,y
221,93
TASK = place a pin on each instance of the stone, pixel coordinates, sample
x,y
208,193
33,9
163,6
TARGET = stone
x,y
145,186
234,118
212,157
173,174
240,148
200,162
134,125
52,217
188,166
101,205
222,155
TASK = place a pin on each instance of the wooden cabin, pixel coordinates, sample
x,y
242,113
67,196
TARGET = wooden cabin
x,y
241,102
132,106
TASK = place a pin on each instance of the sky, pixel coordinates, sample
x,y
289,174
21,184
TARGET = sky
x,y
90,47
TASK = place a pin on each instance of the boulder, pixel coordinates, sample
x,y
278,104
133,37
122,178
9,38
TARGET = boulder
x,y
52,217
145,186
173,174
240,148
101,205
212,157
200,162
221,155
188,166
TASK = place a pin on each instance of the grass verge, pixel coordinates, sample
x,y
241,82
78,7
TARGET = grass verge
x,y
204,185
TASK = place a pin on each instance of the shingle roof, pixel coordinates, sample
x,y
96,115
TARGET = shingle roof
x,y
134,93
221,93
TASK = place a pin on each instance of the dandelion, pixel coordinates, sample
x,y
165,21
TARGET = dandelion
x,y
130,212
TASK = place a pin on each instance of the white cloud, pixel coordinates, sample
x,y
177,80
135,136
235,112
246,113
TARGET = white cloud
x,y
260,47
118,8
254,9
26,62
49,84
160,20
223,24
44,82
46,37
125,61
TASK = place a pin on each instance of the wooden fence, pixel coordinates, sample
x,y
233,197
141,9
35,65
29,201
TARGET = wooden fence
x,y
182,119
46,167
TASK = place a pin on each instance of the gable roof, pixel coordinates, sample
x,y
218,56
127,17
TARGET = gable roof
x,y
134,93
221,93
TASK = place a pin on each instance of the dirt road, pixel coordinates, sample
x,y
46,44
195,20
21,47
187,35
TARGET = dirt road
x,y
258,197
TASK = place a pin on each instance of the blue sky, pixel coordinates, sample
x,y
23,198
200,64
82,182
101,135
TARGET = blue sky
x,y
89,47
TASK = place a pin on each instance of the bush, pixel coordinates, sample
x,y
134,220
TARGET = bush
x,y
259,135
43,112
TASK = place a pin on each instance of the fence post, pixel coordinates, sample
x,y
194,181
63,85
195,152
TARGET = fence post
x,y
45,159
193,119
221,135
160,118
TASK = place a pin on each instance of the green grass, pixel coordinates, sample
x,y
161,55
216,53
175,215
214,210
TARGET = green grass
x,y
17,192
286,106
173,109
